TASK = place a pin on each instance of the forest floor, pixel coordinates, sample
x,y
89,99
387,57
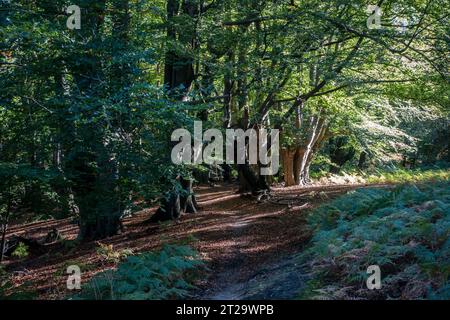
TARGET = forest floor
x,y
248,246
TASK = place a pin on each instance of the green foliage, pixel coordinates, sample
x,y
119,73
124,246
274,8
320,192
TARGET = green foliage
x,y
108,254
21,251
409,176
388,128
382,175
91,105
166,274
404,230
86,106
436,145
23,187
86,117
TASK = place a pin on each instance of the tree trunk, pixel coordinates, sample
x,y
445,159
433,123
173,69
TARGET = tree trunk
x,y
296,163
65,135
99,227
95,188
362,160
228,94
249,181
3,242
175,202
188,200
95,170
179,67
5,223
288,167
178,77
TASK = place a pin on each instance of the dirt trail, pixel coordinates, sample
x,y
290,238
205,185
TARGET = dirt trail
x,y
247,245
258,259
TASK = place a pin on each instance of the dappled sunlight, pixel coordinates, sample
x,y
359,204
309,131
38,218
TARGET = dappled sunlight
x,y
233,234
219,199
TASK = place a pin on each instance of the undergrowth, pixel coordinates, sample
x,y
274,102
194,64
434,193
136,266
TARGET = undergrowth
x,y
404,230
166,274
408,176
384,176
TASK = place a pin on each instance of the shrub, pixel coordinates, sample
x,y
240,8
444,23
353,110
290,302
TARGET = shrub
x,y
21,251
406,231
409,176
166,274
108,254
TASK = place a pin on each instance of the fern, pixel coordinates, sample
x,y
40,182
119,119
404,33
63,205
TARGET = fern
x,y
405,230
149,276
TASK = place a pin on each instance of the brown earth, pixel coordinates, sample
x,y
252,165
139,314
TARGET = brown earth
x,y
238,237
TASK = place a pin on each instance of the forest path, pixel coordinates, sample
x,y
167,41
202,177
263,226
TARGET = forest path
x,y
247,245
253,252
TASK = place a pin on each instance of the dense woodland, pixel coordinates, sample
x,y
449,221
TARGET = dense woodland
x,y
86,115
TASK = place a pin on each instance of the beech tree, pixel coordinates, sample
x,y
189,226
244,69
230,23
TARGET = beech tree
x,y
282,62
94,108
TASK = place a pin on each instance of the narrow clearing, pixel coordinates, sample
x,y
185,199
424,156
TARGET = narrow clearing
x,y
248,246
